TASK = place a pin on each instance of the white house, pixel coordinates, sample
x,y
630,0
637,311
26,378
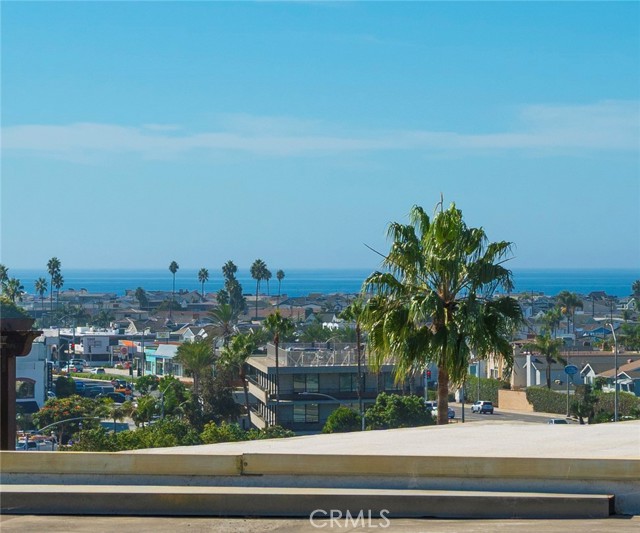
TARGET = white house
x,y
31,378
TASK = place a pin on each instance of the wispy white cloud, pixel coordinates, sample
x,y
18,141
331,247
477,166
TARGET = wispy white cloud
x,y
609,125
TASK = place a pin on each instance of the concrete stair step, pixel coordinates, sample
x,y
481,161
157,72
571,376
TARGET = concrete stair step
x,y
163,500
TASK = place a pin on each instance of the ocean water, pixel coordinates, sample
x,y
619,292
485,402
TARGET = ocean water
x,y
299,282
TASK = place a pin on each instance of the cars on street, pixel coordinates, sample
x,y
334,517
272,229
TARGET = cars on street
x,y
432,407
117,397
98,371
482,407
557,421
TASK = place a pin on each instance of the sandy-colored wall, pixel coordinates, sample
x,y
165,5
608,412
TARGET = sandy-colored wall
x,y
515,400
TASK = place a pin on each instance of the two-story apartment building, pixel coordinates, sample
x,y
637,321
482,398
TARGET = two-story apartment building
x,y
314,381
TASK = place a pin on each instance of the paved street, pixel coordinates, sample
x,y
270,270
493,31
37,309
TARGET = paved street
x,y
500,415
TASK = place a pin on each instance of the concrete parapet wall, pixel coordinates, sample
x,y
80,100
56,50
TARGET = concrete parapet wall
x,y
514,400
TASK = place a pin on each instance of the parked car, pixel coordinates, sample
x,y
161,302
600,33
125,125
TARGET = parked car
x,y
482,407
117,397
554,421
98,371
432,407
71,367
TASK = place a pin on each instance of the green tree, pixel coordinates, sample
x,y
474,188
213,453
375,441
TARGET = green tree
x,y
103,318
342,420
141,296
394,411
13,289
279,327
196,357
232,288
145,384
551,320
53,268
4,275
145,410
225,318
235,355
203,277
216,396
65,386
258,269
548,348
280,277
41,289
569,302
635,288
437,301
74,409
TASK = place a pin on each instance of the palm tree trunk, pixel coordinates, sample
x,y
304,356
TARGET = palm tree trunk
x,y
279,283
548,374
360,404
277,343
257,290
443,395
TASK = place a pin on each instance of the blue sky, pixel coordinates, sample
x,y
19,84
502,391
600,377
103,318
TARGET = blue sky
x,y
134,134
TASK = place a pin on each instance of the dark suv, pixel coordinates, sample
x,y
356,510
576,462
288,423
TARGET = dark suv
x,y
482,407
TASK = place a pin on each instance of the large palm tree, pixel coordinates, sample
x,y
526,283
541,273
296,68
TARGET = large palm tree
x,y
203,277
229,270
551,320
436,301
279,327
569,302
196,357
53,267
355,313
224,317
4,275
41,288
235,355
258,269
280,277
13,289
58,283
548,348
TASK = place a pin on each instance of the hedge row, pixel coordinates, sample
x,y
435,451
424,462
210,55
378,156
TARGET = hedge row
x,y
547,401
488,389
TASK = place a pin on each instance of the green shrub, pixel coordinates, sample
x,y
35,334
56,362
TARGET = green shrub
x,y
628,405
393,411
342,420
271,432
547,401
214,433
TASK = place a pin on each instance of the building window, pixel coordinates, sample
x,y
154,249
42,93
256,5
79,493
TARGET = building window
x,y
306,413
305,383
25,388
348,382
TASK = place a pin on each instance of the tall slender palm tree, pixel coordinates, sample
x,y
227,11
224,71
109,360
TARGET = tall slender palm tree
x,y
280,277
196,357
173,268
235,355
267,277
203,277
436,301
279,327
41,288
257,270
548,348
569,302
225,317
355,313
58,283
53,268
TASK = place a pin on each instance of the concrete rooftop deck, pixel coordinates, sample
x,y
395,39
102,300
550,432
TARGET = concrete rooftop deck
x,y
486,439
